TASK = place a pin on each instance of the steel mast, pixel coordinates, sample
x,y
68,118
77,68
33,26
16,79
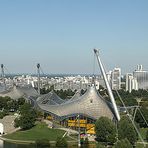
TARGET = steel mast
x,y
96,51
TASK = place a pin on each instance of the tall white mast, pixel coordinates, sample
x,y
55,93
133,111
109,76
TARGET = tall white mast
x,y
96,51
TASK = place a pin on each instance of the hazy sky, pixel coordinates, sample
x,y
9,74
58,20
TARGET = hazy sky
x,y
61,34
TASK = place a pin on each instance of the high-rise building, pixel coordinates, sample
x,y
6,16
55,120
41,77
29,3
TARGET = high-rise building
x,y
142,77
131,82
116,79
108,75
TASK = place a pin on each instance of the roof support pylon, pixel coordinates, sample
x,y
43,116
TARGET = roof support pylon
x,y
96,51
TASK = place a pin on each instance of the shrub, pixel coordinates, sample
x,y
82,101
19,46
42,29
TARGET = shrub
x,y
99,145
61,142
44,143
147,136
124,143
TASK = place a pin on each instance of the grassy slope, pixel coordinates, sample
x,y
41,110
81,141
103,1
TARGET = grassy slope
x,y
39,131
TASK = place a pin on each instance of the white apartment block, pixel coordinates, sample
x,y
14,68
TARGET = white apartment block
x,y
131,82
116,79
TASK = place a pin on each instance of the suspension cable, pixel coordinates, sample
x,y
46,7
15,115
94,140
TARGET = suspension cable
x,y
7,71
131,119
42,71
94,65
143,117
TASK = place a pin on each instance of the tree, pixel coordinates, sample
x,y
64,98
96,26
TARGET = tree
x,y
99,145
139,119
126,130
3,102
2,114
105,130
21,101
147,135
61,142
27,117
25,108
12,105
124,143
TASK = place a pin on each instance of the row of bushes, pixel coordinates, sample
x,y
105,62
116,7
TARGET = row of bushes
x,y
60,142
44,143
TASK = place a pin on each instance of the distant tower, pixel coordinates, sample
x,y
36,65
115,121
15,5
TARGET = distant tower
x,y
3,75
38,71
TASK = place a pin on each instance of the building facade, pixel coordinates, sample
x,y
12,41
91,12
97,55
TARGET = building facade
x,y
116,79
142,77
131,82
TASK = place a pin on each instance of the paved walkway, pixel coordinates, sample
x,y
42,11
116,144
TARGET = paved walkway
x,y
8,122
16,141
142,142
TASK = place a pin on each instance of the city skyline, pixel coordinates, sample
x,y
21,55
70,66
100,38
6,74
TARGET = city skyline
x,y
61,35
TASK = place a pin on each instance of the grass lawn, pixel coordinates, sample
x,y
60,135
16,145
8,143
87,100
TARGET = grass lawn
x,y
37,132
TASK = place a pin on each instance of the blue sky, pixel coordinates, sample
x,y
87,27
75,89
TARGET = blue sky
x,y
61,34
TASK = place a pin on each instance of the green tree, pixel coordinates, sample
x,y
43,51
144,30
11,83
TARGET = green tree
x,y
105,130
147,135
3,102
21,101
12,105
27,117
139,119
61,142
2,114
126,130
124,143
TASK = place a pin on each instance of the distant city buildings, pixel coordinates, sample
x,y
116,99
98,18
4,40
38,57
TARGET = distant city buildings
x,y
116,79
58,82
142,77
131,82
74,82
137,80
134,81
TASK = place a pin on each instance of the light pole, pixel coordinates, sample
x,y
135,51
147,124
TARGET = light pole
x,y
38,71
79,141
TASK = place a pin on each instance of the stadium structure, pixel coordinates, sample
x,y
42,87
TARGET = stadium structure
x,y
87,107
16,91
79,111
